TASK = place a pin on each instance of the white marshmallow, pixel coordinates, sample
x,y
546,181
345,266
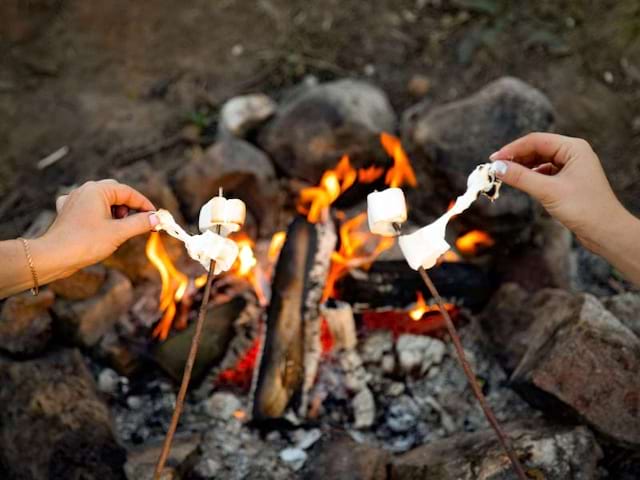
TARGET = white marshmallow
x,y
227,213
202,248
210,246
423,247
384,209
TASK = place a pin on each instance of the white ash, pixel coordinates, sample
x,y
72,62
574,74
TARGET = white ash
x,y
294,457
417,353
364,409
376,345
222,405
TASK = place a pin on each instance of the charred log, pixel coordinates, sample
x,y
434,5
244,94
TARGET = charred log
x,y
217,332
291,338
394,284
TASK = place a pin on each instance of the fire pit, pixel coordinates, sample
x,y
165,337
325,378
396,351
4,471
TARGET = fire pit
x,y
323,354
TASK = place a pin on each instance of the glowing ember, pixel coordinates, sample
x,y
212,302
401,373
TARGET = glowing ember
x,y
241,373
174,284
401,173
472,242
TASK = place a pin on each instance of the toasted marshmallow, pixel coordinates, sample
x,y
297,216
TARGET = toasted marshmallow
x,y
227,213
386,210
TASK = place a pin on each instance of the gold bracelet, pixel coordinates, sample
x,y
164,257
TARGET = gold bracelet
x,y
27,251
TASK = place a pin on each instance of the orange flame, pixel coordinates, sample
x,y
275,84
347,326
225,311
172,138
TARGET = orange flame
x,y
370,174
174,284
277,241
420,308
358,249
402,172
246,264
472,242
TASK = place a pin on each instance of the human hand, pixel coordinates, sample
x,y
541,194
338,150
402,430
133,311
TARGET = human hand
x,y
566,177
95,219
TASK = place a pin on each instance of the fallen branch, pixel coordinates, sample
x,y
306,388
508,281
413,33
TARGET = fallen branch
x,y
186,376
468,371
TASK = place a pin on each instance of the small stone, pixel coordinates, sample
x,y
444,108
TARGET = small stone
x,y
207,468
376,345
419,86
395,389
402,414
25,323
364,409
81,285
608,77
108,381
222,405
307,438
134,402
242,114
295,457
417,353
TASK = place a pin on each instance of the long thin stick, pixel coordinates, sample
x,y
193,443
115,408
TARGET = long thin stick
x,y
468,371
186,376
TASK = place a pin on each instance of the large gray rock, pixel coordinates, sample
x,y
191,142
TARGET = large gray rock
x,y
85,322
552,452
238,168
446,142
25,323
314,127
583,362
626,307
339,457
54,425
82,284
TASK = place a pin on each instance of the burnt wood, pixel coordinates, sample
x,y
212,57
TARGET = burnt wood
x,y
394,284
296,289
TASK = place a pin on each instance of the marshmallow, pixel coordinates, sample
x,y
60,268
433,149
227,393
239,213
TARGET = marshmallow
x,y
210,246
384,209
228,214
202,248
423,247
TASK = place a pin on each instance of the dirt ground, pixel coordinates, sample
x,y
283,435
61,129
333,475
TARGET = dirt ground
x,y
116,81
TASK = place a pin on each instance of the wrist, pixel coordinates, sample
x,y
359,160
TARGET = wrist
x,y
611,233
51,258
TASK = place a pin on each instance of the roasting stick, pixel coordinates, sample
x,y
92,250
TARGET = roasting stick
x,y
468,371
186,376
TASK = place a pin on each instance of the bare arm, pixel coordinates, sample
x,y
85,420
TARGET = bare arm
x,y
566,176
84,232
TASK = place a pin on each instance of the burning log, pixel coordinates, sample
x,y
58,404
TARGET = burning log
x,y
217,332
394,284
291,345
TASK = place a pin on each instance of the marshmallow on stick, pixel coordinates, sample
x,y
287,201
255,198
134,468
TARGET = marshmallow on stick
x,y
226,213
423,247
385,210
202,248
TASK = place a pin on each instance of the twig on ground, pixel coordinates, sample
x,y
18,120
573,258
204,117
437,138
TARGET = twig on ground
x,y
468,371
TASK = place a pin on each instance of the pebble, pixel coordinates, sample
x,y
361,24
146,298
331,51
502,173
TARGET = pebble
x,y
295,457
419,86
108,381
364,409
222,405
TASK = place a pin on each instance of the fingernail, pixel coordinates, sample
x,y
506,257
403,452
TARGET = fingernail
x,y
494,155
500,168
154,220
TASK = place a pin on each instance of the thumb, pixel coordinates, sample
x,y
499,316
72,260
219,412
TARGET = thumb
x,y
135,224
535,184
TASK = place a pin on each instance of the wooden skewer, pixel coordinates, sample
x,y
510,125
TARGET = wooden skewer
x,y
468,371
186,376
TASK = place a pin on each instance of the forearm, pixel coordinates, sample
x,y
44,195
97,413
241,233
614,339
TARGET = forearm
x,y
49,260
621,245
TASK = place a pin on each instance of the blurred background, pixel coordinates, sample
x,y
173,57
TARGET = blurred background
x,y
116,81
